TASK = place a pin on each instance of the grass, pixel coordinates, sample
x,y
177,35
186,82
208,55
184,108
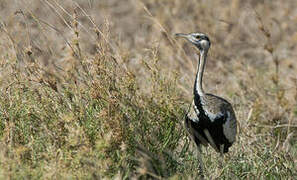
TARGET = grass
x,y
99,89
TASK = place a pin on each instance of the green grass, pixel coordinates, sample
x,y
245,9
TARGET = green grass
x,y
100,90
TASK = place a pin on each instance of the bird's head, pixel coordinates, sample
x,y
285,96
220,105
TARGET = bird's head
x,y
200,40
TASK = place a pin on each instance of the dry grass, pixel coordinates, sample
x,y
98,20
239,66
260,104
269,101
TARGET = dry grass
x,y
99,89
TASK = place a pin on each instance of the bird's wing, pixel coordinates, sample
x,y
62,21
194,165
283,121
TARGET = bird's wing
x,y
230,126
193,113
191,119
216,107
220,110
214,116
228,120
212,106
195,136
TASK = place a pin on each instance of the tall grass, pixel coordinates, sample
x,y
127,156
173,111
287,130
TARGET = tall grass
x,y
99,89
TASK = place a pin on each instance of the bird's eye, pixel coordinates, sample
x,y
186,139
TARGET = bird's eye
x,y
198,37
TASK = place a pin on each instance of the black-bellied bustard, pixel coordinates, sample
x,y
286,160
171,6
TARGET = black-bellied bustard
x,y
210,119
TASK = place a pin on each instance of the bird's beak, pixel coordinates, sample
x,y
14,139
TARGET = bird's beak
x,y
182,35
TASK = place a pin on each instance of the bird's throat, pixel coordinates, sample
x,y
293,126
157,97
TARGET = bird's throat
x,y
198,90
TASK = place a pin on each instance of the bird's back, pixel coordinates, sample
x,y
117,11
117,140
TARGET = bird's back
x,y
217,116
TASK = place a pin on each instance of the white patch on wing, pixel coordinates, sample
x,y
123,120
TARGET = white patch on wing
x,y
196,110
213,116
229,129
193,113
194,118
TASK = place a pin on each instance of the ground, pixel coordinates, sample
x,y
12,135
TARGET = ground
x,y
99,89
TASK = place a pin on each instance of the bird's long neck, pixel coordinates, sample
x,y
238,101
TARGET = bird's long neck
x,y
198,90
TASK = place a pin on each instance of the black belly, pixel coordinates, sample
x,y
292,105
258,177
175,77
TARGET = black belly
x,y
215,129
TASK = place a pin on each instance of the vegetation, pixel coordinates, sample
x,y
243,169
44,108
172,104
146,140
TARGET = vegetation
x,y
99,89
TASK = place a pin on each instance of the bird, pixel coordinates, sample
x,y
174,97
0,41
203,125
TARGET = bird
x,y
210,119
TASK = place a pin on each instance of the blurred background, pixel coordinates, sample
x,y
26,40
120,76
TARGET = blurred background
x,y
81,67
